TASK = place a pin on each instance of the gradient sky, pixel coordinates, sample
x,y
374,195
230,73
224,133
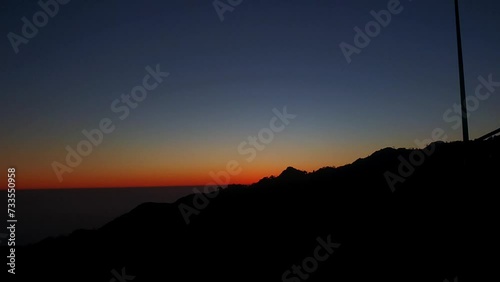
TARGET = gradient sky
x,y
225,79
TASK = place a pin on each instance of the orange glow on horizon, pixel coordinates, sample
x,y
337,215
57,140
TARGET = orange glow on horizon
x,y
153,167
30,182
86,178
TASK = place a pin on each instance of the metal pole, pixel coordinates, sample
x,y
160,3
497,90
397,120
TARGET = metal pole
x,y
465,125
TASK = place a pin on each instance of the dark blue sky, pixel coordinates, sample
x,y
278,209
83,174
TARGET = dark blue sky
x,y
226,77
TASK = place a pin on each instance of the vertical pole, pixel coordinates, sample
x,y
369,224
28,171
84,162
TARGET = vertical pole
x,y
465,125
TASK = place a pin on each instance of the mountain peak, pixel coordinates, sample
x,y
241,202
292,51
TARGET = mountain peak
x,y
291,172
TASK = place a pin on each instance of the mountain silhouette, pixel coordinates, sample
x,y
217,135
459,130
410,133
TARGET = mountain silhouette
x,y
291,173
333,224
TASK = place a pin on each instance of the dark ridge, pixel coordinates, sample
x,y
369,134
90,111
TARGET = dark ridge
x,y
434,226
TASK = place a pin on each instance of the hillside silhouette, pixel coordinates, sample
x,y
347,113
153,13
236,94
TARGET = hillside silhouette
x,y
437,224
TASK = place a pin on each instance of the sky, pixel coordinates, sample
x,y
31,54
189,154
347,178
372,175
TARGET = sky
x,y
229,73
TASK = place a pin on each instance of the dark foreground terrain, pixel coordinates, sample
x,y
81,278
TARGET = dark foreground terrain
x,y
334,224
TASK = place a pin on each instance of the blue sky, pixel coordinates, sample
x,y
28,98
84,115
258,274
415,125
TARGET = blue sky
x,y
226,77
